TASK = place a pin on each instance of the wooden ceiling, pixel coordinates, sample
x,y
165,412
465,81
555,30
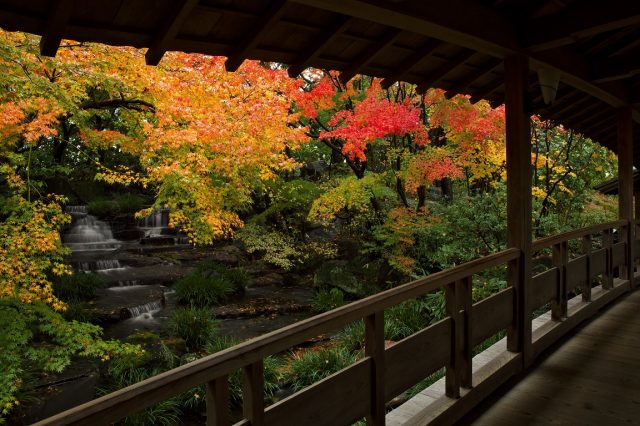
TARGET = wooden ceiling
x,y
456,45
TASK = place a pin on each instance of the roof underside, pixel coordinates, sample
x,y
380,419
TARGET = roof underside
x,y
456,45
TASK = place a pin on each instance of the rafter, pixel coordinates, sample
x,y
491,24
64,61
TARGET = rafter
x,y
444,69
477,74
55,27
487,90
561,107
365,58
587,18
269,18
616,68
180,11
480,28
582,113
338,27
405,67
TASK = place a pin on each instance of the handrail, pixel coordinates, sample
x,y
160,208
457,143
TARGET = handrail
x,y
162,386
576,233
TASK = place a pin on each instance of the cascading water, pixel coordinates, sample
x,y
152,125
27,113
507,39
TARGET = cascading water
x,y
155,225
103,266
145,311
87,233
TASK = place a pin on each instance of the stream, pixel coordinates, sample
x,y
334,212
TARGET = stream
x,y
139,261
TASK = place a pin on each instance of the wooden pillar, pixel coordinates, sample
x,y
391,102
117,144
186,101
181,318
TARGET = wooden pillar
x,y
625,185
374,348
518,135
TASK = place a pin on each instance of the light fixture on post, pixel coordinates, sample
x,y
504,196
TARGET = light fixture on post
x,y
549,80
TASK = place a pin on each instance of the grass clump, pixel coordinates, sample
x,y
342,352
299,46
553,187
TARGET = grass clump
x,y
77,287
103,208
209,285
194,398
129,203
309,366
194,325
326,300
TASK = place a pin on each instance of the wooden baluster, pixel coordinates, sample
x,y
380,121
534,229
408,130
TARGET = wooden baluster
x,y
452,382
452,368
607,277
374,348
464,341
218,402
253,393
560,259
586,286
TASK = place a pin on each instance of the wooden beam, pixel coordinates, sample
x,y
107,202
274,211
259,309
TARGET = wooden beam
x,y
518,141
586,112
159,45
444,69
616,68
583,20
485,91
273,13
365,58
480,28
405,67
625,187
54,27
338,27
569,102
480,72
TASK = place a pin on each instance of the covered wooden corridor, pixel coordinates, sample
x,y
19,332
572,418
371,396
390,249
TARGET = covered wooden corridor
x,y
572,62
590,379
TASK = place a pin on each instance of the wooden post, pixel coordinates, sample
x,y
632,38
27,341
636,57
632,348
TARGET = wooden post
x,y
218,402
586,286
518,135
464,341
253,393
452,368
625,187
560,259
374,348
607,242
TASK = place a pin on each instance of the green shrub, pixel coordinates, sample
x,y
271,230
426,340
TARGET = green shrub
x,y
77,287
407,318
194,325
326,300
309,366
211,284
352,337
120,374
129,203
194,398
34,339
103,208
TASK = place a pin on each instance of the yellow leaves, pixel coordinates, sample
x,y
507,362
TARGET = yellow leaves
x,y
29,250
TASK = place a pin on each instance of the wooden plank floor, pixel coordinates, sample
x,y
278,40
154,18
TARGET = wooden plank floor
x,y
592,378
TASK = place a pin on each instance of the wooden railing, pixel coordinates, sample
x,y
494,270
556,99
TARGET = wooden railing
x,y
362,389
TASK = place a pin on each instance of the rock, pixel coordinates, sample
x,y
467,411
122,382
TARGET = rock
x,y
225,258
336,273
272,278
158,240
128,234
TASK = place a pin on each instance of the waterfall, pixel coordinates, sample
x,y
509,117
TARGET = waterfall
x,y
157,224
145,311
89,233
101,266
76,210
